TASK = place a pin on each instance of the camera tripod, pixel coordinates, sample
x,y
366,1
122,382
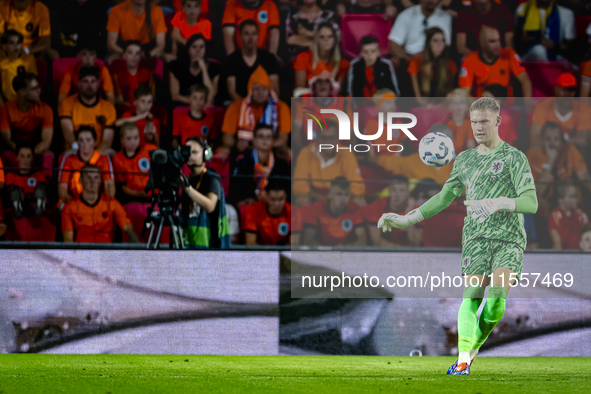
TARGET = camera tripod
x,y
168,202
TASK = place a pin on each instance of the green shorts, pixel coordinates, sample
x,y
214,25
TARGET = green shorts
x,y
481,256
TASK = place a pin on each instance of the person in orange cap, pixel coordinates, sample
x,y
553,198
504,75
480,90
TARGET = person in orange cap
x,y
260,106
574,116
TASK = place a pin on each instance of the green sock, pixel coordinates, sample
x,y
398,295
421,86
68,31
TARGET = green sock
x,y
491,315
467,317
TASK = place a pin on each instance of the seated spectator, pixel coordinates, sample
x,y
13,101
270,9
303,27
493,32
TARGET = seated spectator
x,y
491,65
324,55
507,129
412,166
203,203
267,222
132,166
31,19
86,57
26,187
253,172
557,160
266,15
147,124
335,221
548,37
566,220
303,22
571,114
194,122
127,79
260,106
72,161
482,12
370,72
458,121
90,216
315,168
385,102
584,243
136,20
78,22
178,6
400,202
87,108
432,72
14,61
407,37
194,69
27,121
239,65
188,22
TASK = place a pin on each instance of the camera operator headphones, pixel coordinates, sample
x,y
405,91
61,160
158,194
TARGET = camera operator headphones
x,y
207,151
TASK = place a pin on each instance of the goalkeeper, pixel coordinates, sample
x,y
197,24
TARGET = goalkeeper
x,y
499,190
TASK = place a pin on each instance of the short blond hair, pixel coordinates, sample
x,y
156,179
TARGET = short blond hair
x,y
127,127
486,103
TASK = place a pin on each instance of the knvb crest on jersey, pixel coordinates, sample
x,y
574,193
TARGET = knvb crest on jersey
x,y
466,262
496,168
385,121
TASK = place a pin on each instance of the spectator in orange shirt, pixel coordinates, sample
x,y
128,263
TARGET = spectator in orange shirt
x,y
585,242
492,64
573,115
260,106
12,62
432,73
88,108
370,72
240,64
315,168
147,124
186,23
178,6
27,120
132,166
566,220
264,12
127,79
86,57
335,221
136,20
398,201
412,166
268,222
193,122
90,217
557,160
31,19
458,121
26,187
324,55
73,161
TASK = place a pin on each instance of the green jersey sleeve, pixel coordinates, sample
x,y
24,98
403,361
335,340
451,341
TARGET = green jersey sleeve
x,y
454,183
521,175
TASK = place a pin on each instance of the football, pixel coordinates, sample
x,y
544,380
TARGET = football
x,y
436,149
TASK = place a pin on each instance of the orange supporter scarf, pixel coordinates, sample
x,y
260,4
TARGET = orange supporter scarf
x,y
261,172
75,184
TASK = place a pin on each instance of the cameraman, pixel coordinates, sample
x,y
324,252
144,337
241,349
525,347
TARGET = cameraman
x,y
203,202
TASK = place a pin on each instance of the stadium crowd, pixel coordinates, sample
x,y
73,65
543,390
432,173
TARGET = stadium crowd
x,y
89,87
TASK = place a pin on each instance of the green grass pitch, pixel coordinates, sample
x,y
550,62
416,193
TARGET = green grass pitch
x,y
30,373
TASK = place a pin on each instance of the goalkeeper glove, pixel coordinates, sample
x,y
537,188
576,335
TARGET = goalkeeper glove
x,y
482,209
388,221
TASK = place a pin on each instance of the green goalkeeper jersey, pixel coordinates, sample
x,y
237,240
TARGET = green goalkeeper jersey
x,y
501,172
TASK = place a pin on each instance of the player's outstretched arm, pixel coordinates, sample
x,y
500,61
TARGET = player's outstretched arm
x,y
433,206
527,202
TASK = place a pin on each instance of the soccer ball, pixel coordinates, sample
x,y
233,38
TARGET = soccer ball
x,y
436,149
